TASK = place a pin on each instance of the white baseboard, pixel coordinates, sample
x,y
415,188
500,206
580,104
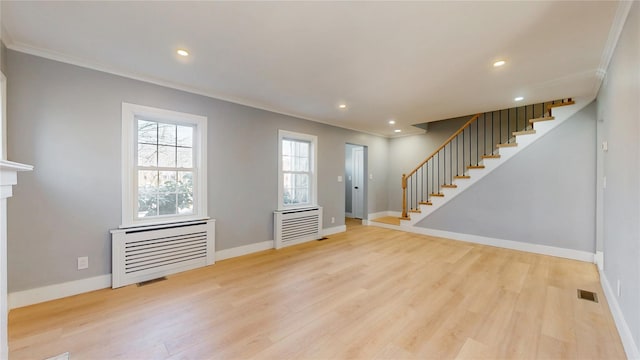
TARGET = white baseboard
x,y
508,244
52,292
383,214
630,347
599,260
244,250
334,230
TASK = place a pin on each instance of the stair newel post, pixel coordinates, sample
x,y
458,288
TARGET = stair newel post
x,y
404,196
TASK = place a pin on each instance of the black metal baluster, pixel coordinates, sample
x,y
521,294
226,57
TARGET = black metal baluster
x,y
444,168
509,126
463,152
477,141
422,184
492,145
438,177
451,162
500,118
470,145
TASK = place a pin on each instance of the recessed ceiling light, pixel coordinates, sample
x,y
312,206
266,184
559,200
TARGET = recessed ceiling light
x,y
397,130
519,98
391,122
342,106
182,52
499,63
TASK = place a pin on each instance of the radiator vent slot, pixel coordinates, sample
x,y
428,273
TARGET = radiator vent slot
x,y
297,226
143,254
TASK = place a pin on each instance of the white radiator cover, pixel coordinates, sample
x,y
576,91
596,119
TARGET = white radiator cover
x,y
296,226
146,253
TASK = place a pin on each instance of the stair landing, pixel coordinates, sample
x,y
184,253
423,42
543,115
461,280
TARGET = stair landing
x,y
389,220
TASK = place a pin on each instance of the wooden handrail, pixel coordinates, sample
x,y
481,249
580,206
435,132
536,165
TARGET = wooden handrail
x,y
474,118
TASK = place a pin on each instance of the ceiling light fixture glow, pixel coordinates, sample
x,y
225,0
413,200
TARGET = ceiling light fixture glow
x,y
499,63
397,130
391,122
182,52
342,106
519,98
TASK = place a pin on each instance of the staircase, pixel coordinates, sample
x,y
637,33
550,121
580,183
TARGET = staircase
x,y
484,143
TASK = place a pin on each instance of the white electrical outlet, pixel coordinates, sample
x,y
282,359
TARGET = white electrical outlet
x,y
370,176
83,262
619,288
339,178
333,220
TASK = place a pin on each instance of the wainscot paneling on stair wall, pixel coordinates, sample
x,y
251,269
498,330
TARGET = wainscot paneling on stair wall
x,y
543,195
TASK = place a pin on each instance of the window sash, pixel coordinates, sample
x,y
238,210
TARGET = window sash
x,y
294,195
189,182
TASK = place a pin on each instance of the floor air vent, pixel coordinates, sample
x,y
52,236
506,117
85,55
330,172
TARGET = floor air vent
x,y
152,281
587,295
147,253
296,226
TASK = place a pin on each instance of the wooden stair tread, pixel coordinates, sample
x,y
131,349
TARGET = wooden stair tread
x,y
570,102
415,211
475,167
404,218
449,186
425,203
490,156
507,145
462,177
545,118
524,132
437,194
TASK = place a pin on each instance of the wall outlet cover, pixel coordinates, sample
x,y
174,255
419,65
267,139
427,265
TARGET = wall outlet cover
x,y
83,262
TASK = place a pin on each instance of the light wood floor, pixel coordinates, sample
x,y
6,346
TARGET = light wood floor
x,y
370,293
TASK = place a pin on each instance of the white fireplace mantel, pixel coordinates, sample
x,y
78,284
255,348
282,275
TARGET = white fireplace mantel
x,y
8,178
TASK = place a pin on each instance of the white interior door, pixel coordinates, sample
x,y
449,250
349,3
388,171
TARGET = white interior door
x,y
357,193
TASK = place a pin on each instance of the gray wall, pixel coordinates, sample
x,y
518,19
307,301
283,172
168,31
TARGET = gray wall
x,y
66,121
543,195
619,110
408,151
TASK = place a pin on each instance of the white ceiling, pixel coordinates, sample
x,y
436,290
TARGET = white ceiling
x,y
414,62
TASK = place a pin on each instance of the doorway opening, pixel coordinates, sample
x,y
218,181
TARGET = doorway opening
x,y
356,181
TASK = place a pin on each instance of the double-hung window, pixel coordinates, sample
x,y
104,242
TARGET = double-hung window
x,y
297,170
164,166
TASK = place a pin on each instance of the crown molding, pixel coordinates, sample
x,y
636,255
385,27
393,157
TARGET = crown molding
x,y
97,66
622,13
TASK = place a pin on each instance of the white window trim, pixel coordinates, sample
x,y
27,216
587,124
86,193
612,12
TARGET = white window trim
x,y
130,112
284,134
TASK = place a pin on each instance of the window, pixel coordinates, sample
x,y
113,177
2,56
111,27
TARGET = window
x,y
297,170
164,166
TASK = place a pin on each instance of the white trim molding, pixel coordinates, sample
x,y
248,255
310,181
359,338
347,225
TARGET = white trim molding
x,y
244,250
8,178
334,230
630,346
313,169
58,291
507,244
130,115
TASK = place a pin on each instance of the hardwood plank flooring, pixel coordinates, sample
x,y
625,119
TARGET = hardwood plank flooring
x,y
369,293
